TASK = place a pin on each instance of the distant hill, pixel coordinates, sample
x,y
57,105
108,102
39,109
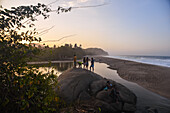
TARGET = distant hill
x,y
95,51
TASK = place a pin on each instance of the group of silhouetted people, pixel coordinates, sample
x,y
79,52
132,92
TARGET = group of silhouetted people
x,y
85,63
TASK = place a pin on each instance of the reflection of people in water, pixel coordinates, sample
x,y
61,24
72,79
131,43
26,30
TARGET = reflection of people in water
x,y
62,66
75,60
92,64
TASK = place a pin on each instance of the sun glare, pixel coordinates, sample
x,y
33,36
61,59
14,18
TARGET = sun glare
x,y
25,42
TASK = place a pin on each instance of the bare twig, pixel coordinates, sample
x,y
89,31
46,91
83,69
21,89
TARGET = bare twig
x,y
44,31
53,2
90,6
59,39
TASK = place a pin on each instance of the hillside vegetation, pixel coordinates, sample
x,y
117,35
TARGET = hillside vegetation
x,y
65,53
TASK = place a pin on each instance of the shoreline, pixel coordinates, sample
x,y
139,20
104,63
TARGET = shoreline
x,y
152,77
140,61
47,62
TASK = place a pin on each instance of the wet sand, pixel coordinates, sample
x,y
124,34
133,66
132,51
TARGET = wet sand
x,y
152,77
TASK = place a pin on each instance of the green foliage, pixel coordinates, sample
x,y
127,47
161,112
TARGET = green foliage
x,y
32,92
23,88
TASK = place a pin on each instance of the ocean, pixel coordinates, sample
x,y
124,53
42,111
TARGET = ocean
x,y
154,60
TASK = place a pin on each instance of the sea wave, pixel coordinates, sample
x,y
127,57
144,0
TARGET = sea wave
x,y
154,60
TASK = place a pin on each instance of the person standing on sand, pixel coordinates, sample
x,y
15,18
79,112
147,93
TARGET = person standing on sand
x,y
75,60
84,62
87,62
92,64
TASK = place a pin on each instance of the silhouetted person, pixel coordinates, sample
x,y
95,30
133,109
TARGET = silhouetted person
x,y
75,60
87,62
84,62
92,64
108,85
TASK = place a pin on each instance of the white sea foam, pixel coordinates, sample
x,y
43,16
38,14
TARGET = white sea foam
x,y
154,60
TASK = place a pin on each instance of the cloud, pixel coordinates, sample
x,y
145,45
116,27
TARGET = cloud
x,y
71,3
82,1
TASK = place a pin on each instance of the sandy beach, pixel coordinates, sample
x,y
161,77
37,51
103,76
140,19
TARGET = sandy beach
x,y
152,77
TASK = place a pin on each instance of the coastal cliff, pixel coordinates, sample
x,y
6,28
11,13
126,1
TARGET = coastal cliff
x,y
95,51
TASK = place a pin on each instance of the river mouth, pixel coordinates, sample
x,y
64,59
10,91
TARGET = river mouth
x,y
145,98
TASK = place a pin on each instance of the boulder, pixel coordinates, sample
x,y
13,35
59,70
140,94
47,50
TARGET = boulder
x,y
126,95
72,83
118,106
99,85
129,107
83,86
96,86
104,96
84,96
105,107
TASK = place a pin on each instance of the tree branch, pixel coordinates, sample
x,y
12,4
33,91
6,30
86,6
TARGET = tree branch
x,y
59,39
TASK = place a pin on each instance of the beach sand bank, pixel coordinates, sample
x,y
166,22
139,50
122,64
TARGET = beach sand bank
x,y
152,77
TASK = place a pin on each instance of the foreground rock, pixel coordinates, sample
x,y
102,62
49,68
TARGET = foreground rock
x,y
87,89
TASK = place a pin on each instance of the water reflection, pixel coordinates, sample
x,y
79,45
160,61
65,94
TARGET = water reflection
x,y
62,66
57,67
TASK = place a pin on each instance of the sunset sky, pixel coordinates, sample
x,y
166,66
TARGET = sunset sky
x,y
122,27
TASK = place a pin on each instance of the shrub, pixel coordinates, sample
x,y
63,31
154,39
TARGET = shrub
x,y
24,88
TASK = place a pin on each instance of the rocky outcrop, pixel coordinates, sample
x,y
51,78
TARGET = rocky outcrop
x,y
82,86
